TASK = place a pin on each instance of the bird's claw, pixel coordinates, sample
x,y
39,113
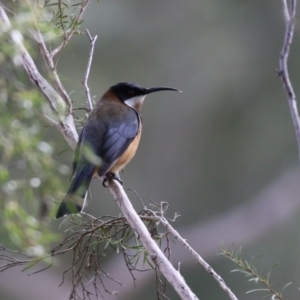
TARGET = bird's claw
x,y
110,176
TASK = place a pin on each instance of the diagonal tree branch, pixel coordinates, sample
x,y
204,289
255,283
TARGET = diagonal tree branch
x,y
159,259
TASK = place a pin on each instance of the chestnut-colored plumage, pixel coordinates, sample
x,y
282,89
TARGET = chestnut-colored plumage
x,y
107,142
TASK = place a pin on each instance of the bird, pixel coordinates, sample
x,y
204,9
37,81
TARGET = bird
x,y
108,141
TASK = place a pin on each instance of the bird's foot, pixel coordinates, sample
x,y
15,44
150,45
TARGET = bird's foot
x,y
110,176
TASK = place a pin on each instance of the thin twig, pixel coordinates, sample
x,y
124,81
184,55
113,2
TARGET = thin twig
x,y
88,98
52,68
49,62
68,35
199,259
289,12
248,269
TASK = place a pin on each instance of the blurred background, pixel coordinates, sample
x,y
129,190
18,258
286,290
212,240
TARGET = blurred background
x,y
223,153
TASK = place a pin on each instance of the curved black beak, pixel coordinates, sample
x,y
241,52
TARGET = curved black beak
x,y
160,88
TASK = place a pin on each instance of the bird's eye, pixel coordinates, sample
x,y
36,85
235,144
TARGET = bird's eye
x,y
131,93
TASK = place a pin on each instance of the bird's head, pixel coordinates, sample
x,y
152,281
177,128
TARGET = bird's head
x,y
133,95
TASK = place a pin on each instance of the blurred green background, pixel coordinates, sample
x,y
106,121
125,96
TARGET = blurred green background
x,y
223,153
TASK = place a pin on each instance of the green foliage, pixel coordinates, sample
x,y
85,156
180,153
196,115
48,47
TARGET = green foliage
x,y
64,15
30,175
249,270
88,240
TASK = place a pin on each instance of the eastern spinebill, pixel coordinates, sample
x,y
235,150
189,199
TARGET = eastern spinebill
x,y
107,142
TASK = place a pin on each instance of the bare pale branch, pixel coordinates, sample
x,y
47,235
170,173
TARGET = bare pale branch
x,y
156,255
87,72
52,68
289,12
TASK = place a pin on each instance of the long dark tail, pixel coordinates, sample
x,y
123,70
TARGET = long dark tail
x,y
74,199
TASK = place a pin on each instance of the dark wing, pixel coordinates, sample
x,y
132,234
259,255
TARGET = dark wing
x,y
110,136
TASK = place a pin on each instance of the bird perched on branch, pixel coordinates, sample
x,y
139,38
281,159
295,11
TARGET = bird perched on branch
x,y
107,142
